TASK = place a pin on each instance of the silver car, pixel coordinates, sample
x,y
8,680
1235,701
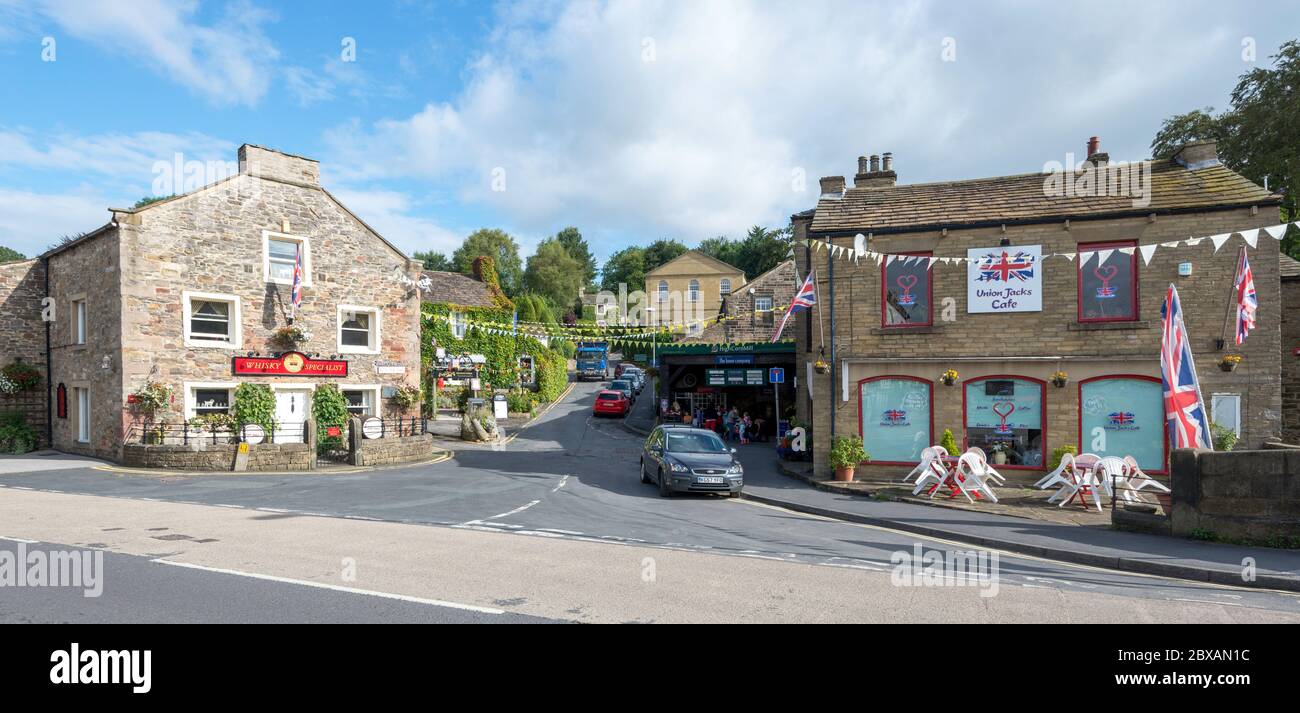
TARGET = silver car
x,y
694,460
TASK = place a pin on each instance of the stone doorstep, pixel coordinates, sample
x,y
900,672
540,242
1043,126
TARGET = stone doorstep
x,y
1023,502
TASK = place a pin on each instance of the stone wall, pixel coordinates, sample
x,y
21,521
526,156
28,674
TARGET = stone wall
x,y
745,324
1239,494
1018,343
22,286
1290,313
221,457
386,451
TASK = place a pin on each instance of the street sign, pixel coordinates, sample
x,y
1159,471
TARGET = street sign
x,y
776,375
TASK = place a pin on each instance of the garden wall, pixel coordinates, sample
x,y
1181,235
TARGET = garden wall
x,y
1236,494
221,457
386,451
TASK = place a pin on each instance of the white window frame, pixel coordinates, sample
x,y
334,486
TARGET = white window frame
x,y
376,394
771,303
1235,400
724,286
83,413
77,307
693,291
305,243
459,327
694,329
376,319
663,291
191,399
235,339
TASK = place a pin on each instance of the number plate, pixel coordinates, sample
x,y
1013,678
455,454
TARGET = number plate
x,y
709,479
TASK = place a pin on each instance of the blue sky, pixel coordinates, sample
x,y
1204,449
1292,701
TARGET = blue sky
x,y
632,120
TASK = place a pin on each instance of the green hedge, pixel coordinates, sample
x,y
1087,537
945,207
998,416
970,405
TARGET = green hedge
x,y
16,435
255,403
500,350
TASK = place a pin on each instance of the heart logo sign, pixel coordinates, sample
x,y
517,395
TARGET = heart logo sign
x,y
907,282
1003,409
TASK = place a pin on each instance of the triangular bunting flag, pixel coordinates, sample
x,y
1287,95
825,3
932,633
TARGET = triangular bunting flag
x,y
931,263
1219,240
1127,251
1193,242
1104,255
1084,258
1276,231
1171,244
1147,252
1250,236
1068,256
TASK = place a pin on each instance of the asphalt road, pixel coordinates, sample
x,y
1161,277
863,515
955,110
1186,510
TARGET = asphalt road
x,y
565,477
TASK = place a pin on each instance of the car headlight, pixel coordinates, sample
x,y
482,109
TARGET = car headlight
x,y
677,467
735,469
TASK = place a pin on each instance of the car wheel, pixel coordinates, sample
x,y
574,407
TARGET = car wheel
x,y
644,478
665,489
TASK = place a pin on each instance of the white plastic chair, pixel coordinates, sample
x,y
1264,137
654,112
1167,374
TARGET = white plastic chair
x,y
1111,472
988,468
969,477
1064,473
1139,480
934,474
928,455
1083,482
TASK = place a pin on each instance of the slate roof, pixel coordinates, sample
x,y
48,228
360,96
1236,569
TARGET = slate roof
x,y
1022,199
455,288
1290,268
720,266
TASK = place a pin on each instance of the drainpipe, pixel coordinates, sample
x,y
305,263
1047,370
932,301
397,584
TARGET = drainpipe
x,y
49,366
830,278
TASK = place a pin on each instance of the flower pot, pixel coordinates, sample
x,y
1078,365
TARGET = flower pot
x,y
946,381
1059,383
999,458
1228,365
821,367
844,475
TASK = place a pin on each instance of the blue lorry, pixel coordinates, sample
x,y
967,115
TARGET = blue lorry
x,y
593,360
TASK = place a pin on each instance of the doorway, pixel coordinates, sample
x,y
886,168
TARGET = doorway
x,y
292,408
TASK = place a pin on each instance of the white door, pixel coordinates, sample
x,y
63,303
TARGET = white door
x,y
291,410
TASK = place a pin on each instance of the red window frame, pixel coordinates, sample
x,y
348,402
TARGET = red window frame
x,y
895,377
1078,403
884,295
1133,281
1042,410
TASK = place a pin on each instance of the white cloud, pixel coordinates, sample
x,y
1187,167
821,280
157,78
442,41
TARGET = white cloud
x,y
390,214
709,136
124,157
227,61
30,222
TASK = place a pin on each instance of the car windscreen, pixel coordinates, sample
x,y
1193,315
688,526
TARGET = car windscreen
x,y
620,385
608,397
695,443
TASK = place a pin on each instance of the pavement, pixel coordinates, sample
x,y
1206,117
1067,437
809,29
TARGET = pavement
x,y
552,525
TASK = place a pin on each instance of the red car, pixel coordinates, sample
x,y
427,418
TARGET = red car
x,y
610,403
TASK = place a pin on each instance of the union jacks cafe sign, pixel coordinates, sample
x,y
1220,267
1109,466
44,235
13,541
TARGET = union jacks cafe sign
x,y
1005,279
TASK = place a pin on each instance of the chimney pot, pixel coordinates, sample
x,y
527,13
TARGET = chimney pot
x,y
888,161
1094,143
875,163
832,186
862,164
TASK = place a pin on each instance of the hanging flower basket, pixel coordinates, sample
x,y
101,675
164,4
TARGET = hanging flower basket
x,y
821,366
290,336
22,376
949,377
1059,379
1229,362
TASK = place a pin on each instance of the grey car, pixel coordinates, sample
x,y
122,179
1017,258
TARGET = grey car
x,y
625,386
692,460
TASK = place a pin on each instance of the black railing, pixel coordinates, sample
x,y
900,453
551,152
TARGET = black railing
x,y
184,434
392,427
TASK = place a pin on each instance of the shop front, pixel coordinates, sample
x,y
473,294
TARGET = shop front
x,y
710,380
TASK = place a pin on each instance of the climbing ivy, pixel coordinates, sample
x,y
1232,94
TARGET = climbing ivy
x,y
255,403
329,408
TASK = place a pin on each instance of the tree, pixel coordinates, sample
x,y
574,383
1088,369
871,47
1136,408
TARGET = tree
x,y
660,252
434,261
10,255
721,248
151,199
759,251
1258,136
573,242
626,266
554,274
501,247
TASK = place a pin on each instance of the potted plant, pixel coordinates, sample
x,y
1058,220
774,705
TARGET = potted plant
x,y
846,454
407,396
1059,378
1229,362
151,399
821,366
949,377
1000,449
290,336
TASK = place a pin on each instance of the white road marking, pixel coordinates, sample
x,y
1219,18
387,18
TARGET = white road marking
x,y
272,510
18,539
334,587
560,532
563,480
498,516
223,505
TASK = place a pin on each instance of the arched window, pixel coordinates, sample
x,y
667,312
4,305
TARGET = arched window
x,y
1124,415
663,290
895,418
724,287
1003,415
694,294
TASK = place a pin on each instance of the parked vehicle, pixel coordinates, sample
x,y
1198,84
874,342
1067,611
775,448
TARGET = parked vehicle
x,y
686,459
625,387
636,377
592,360
610,403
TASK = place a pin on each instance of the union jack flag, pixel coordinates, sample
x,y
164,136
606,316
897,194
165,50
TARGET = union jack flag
x,y
894,415
1121,418
1247,300
295,294
994,268
804,299
1184,409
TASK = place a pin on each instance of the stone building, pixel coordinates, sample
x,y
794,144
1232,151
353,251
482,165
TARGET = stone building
x,y
1290,273
22,288
190,291
893,327
751,312
690,288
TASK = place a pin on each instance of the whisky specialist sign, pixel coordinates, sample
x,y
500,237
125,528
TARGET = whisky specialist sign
x,y
289,364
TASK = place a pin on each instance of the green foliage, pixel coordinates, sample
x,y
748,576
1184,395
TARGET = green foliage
x,y
498,245
329,407
1225,439
212,422
660,252
254,403
22,375
16,435
408,396
573,242
554,274
10,255
151,199
566,348
434,261
627,266
152,398
1059,453
520,401
552,375
759,251
1258,136
949,442
534,308
847,452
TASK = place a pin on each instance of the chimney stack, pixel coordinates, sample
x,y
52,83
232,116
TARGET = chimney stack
x,y
862,164
832,187
875,163
889,161
1096,156
872,175
1197,154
